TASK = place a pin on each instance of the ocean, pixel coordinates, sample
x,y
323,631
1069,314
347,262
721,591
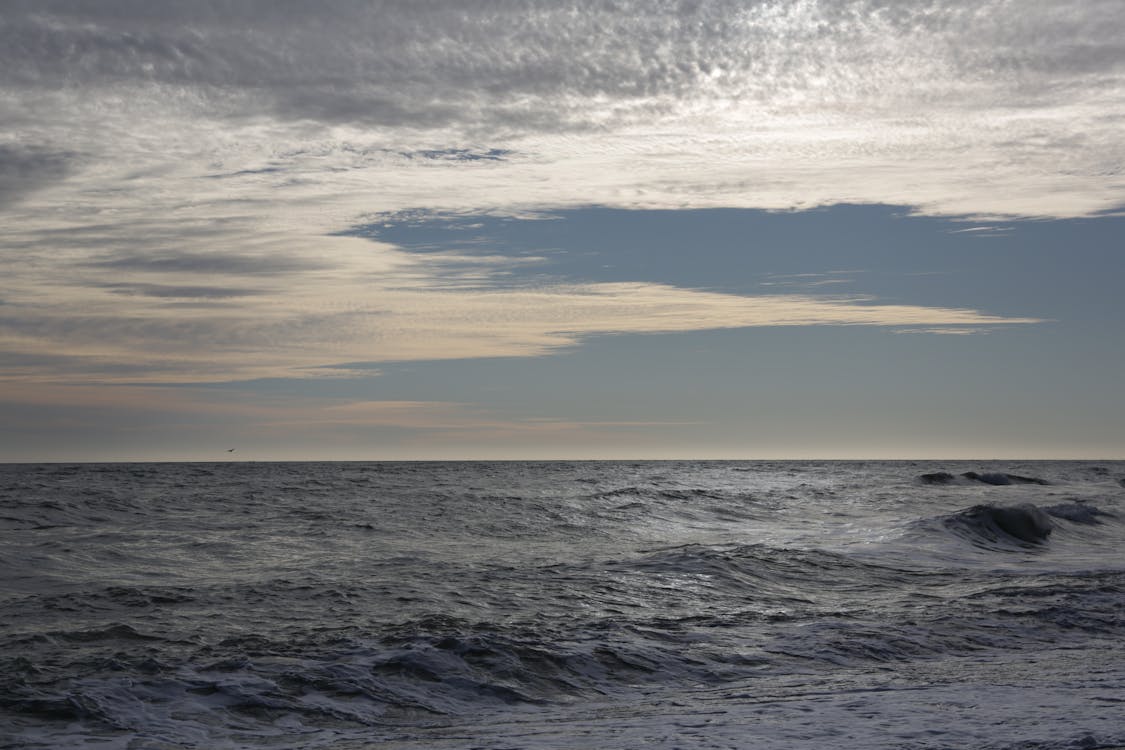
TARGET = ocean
x,y
594,605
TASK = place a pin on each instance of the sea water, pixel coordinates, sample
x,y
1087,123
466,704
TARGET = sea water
x,y
563,605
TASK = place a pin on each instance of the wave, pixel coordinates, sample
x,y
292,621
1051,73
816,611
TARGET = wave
x,y
439,668
381,602
1002,525
1020,527
429,667
677,497
989,477
1080,513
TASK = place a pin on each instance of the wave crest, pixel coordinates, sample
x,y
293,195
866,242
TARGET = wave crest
x,y
1002,526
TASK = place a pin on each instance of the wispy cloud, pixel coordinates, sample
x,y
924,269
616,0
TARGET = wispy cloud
x,y
175,175
189,422
809,280
351,313
983,231
656,103
25,168
948,331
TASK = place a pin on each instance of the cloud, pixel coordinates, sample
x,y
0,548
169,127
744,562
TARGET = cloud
x,y
25,168
183,292
953,107
359,311
515,62
227,264
176,176
967,331
809,280
77,422
984,231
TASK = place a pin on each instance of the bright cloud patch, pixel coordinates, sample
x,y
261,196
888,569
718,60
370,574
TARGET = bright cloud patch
x,y
955,107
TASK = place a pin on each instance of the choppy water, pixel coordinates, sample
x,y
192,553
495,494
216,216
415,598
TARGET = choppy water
x,y
563,605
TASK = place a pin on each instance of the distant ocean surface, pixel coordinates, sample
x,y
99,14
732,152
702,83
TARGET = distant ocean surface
x,y
590,605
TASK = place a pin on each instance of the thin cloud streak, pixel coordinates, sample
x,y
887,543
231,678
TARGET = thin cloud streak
x,y
123,415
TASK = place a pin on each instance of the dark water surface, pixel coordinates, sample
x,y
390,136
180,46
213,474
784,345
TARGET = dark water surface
x,y
563,605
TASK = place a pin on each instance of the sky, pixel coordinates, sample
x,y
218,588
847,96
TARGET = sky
x,y
501,229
